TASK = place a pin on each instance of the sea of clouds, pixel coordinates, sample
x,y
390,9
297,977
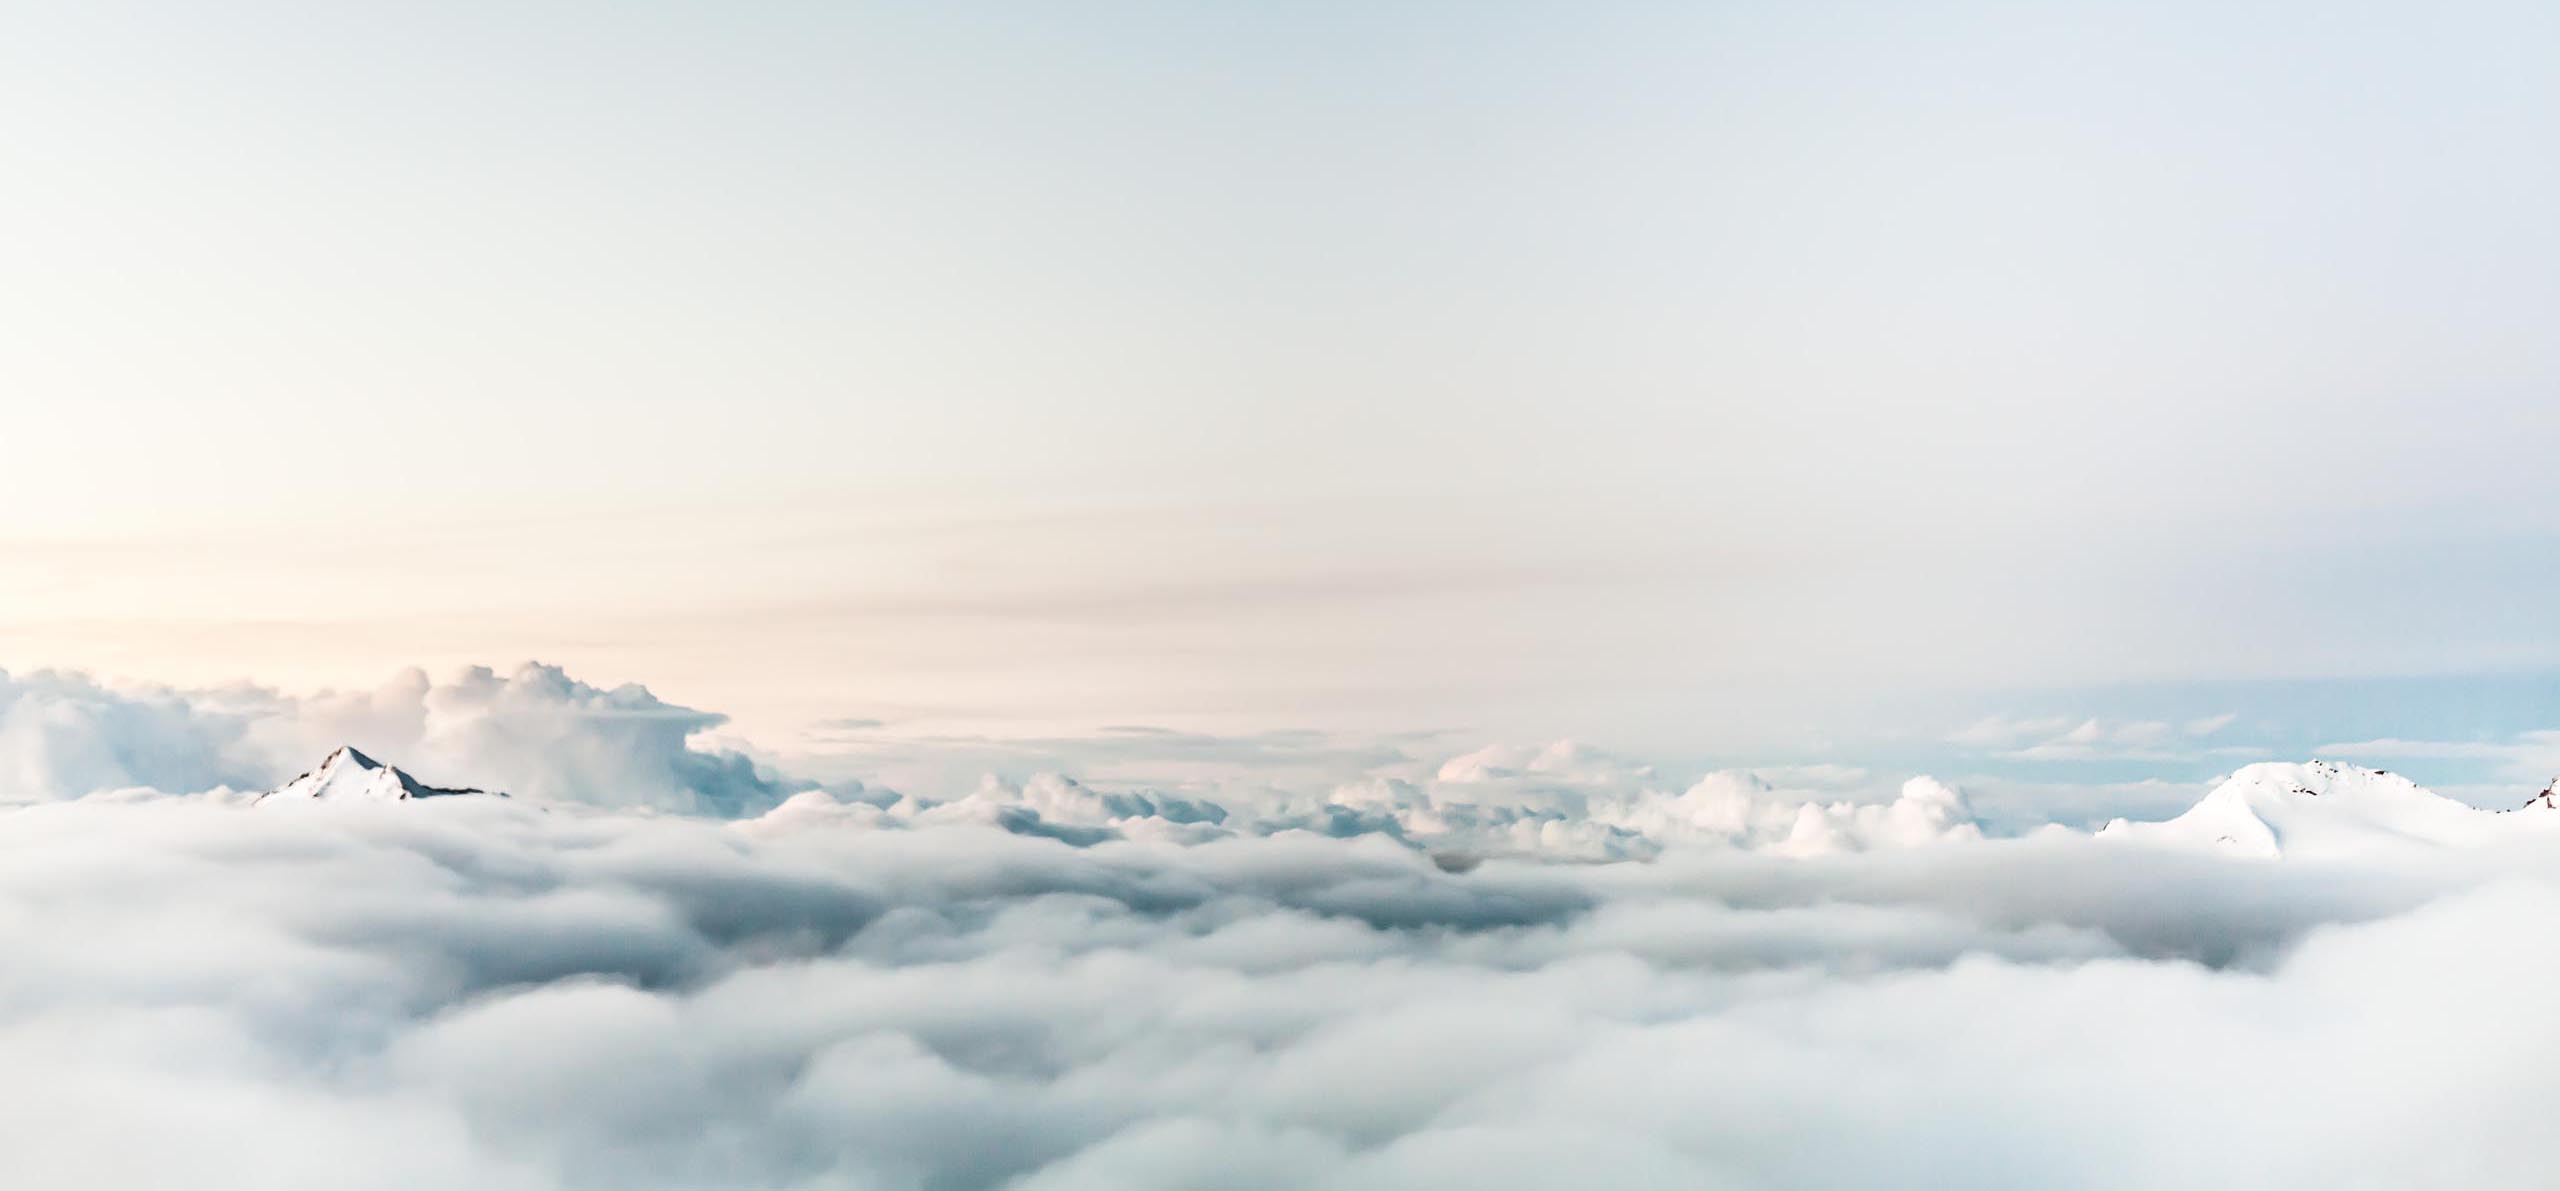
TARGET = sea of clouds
x,y
664,964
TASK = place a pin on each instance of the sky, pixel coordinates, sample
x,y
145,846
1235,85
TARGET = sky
x,y
1738,383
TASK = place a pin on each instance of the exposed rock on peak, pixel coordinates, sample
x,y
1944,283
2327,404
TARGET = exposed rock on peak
x,y
2548,800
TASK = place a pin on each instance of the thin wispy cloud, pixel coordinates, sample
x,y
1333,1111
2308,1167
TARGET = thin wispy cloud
x,y
2063,738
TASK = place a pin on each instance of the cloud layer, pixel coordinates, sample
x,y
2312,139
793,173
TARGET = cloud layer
x,y
483,993
1507,967
540,734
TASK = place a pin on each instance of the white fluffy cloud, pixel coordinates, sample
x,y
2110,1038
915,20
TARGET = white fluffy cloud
x,y
539,734
535,732
66,734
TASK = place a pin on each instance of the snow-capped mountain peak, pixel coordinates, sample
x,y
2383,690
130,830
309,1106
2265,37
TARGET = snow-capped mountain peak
x,y
347,775
2276,809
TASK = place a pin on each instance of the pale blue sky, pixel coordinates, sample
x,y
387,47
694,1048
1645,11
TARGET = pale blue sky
x,y
1708,377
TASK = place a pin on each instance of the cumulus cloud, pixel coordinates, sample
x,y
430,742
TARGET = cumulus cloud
x,y
482,993
64,733
544,736
535,732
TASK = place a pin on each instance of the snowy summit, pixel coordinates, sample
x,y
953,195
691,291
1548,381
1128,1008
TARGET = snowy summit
x,y
350,776
2316,809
